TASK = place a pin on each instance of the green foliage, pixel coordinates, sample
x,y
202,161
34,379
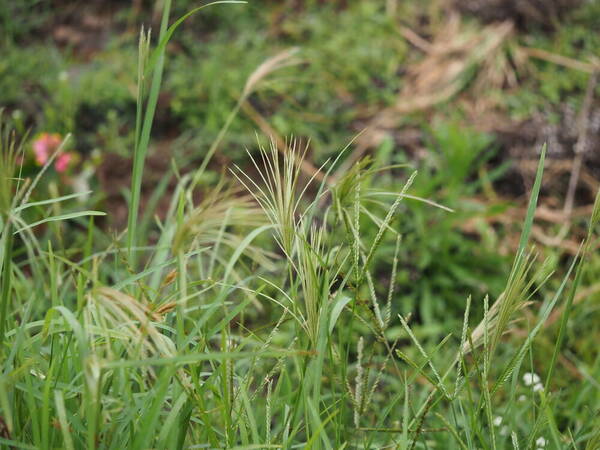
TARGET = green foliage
x,y
552,84
219,341
21,18
26,76
276,311
206,80
439,260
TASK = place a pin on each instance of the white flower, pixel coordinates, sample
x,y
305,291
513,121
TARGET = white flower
x,y
540,442
497,421
522,398
538,387
530,378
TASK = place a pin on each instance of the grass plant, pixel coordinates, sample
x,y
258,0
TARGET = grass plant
x,y
267,315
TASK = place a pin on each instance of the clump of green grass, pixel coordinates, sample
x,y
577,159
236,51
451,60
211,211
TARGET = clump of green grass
x,y
174,355
257,320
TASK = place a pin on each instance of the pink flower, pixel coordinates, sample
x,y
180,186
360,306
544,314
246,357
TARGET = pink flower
x,y
44,146
62,162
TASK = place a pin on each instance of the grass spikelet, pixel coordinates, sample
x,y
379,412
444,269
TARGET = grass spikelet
x,y
359,383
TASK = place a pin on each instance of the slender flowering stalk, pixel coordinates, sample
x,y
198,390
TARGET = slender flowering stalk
x,y
359,383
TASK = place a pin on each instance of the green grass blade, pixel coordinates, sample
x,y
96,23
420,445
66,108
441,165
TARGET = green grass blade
x,y
535,192
68,216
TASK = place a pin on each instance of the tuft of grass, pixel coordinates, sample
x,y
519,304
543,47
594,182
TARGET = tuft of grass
x,y
272,318
230,338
